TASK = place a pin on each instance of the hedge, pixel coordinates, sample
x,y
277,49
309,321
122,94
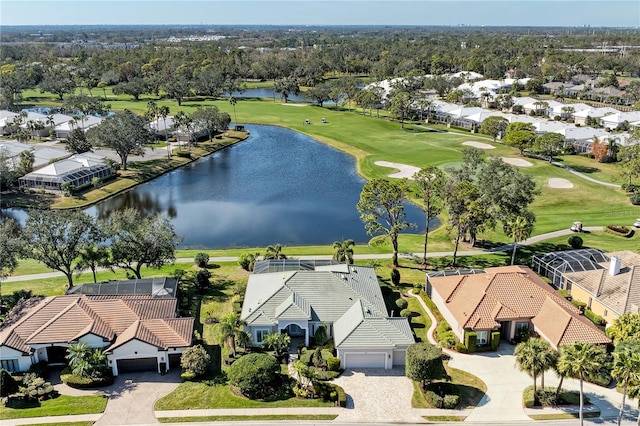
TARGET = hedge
x,y
471,341
495,340
78,382
595,318
528,397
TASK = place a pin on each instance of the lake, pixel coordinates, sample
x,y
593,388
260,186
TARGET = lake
x,y
278,186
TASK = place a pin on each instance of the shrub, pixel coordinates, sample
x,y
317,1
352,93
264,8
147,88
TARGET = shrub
x,y
433,399
565,294
460,347
79,382
195,359
247,260
621,231
256,376
631,188
595,318
35,388
183,154
202,280
580,305
528,398
67,189
450,401
202,259
316,358
635,199
424,363
402,304
448,340
40,369
328,375
305,356
395,277
187,376
405,313
575,242
495,340
237,307
333,364
471,341
321,336
8,384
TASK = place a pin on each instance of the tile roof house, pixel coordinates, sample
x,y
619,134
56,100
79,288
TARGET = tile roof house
x,y
610,287
507,299
346,299
137,332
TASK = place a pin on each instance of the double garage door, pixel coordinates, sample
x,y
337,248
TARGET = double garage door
x,y
365,360
137,364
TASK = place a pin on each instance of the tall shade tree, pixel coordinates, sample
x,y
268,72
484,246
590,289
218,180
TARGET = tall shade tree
x,y
466,212
124,133
626,366
230,325
520,229
400,106
233,101
163,111
343,251
531,357
11,245
381,208
431,182
494,126
549,144
629,156
520,139
138,241
580,360
56,238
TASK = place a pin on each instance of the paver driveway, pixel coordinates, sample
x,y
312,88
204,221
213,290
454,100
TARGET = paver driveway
x,y
376,395
133,395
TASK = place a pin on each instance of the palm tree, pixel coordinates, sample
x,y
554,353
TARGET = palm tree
x,y
93,257
520,229
233,102
243,339
634,391
626,363
274,252
343,251
613,147
531,358
279,342
163,111
229,327
580,360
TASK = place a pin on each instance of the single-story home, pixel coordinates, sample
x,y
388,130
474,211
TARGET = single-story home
x,y
580,117
612,121
346,299
85,122
6,121
507,299
137,332
79,170
153,287
609,283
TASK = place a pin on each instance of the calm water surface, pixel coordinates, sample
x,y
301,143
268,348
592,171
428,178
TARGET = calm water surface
x,y
278,186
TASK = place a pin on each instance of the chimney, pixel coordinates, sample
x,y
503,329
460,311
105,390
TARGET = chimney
x,y
614,266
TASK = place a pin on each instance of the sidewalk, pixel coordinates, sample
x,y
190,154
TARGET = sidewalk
x,y
51,419
308,411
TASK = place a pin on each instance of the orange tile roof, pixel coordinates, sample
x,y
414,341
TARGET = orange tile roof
x,y
480,301
63,319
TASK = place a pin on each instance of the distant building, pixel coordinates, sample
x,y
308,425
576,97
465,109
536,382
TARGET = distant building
x,y
78,169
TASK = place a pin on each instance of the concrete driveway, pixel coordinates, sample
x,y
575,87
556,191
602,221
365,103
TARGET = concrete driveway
x,y
376,395
133,395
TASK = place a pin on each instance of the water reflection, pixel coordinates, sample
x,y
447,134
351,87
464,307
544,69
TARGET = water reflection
x,y
278,186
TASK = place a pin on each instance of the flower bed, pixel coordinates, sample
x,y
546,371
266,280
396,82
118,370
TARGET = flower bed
x,y
622,231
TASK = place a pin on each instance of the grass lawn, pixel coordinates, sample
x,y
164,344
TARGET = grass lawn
x,y
444,418
200,395
60,406
266,417
420,321
470,388
563,416
67,424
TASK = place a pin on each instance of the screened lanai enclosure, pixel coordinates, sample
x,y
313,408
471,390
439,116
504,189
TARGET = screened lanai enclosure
x,y
555,264
79,170
281,265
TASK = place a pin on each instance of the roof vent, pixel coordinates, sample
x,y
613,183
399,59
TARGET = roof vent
x,y
614,266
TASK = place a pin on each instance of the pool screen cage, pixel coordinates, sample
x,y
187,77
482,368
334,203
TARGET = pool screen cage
x,y
78,178
280,265
555,264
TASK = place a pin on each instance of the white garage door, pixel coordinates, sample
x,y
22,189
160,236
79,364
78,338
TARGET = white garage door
x,y
364,360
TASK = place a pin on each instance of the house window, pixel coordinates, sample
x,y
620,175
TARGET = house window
x,y
483,337
589,304
11,365
605,313
261,334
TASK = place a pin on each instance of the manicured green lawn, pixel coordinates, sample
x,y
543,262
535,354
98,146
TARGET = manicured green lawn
x,y
66,424
420,321
198,395
60,406
470,387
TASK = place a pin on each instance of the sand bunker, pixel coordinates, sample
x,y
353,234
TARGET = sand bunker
x,y
294,105
559,183
479,145
519,162
405,171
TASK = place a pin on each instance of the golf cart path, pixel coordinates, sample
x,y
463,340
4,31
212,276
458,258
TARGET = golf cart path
x,y
583,176
505,247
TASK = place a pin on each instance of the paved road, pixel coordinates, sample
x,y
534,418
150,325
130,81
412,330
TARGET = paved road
x,y
532,240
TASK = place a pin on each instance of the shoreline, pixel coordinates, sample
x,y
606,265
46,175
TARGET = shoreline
x,y
225,142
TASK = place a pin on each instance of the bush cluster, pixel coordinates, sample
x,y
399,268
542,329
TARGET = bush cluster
x,y
622,231
595,318
256,376
79,382
575,242
445,336
402,304
635,199
424,363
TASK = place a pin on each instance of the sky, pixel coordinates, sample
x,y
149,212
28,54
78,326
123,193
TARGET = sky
x,y
572,13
